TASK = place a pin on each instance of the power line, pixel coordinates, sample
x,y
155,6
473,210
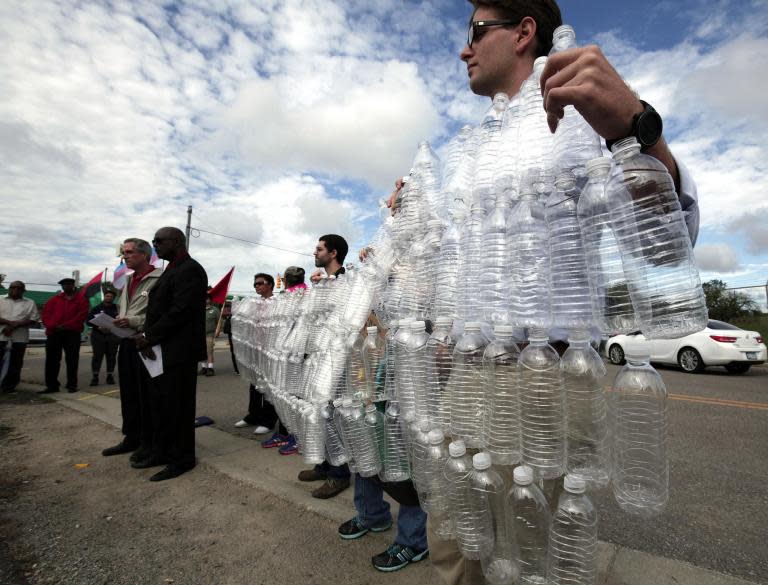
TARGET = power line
x,y
194,229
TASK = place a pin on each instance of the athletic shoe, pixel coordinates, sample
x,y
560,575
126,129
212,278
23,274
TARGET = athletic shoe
x,y
352,529
290,448
396,557
241,424
261,430
275,440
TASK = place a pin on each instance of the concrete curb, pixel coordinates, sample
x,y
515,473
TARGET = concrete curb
x,y
245,461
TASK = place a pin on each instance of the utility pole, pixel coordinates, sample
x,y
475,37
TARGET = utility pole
x,y
189,224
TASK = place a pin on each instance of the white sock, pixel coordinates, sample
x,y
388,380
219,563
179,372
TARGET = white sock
x,y
210,365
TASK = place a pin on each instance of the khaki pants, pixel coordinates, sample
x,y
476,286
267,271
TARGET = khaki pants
x,y
450,564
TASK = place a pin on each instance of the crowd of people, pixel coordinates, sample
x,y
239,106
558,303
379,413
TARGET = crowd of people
x,y
174,322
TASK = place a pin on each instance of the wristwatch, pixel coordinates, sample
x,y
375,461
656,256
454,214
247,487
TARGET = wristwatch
x,y
646,128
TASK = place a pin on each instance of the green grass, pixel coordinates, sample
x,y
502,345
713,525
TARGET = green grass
x,y
758,323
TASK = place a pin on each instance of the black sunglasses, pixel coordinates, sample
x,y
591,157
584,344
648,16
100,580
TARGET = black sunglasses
x,y
477,28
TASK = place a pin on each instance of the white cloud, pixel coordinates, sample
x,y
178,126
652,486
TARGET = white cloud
x,y
717,258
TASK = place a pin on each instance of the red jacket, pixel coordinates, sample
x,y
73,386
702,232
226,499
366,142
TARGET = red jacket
x,y
60,311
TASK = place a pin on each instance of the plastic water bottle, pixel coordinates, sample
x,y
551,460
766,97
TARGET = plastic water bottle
x,y
357,381
362,441
439,362
639,408
395,465
542,401
611,304
374,362
502,423
448,264
494,263
571,302
487,158
418,444
468,300
583,374
314,433
487,494
528,525
437,502
573,537
457,471
575,142
335,451
374,423
529,264
655,246
389,353
412,390
535,159
466,388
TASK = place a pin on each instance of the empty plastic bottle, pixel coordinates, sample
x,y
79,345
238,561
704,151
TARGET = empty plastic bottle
x,y
448,264
437,502
611,303
494,263
573,537
335,451
362,440
542,402
374,362
411,370
502,423
439,361
468,300
457,471
357,381
655,246
536,158
466,388
395,465
583,374
487,157
528,524
570,299
487,494
639,408
529,264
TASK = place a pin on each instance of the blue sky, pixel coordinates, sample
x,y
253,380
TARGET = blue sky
x,y
283,120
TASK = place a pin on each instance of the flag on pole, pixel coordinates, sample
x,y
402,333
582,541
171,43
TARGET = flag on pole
x,y
92,290
219,291
120,275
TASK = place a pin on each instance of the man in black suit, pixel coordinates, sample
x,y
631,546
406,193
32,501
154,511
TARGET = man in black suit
x,y
176,321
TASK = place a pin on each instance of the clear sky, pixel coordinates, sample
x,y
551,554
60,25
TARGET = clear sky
x,y
283,120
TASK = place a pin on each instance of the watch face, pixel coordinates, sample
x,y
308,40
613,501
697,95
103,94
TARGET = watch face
x,y
649,128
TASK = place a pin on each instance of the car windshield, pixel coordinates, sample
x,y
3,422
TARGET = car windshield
x,y
722,325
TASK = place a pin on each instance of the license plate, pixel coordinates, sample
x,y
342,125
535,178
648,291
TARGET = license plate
x,y
751,355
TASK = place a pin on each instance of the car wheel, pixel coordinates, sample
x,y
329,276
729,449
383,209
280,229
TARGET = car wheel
x,y
616,354
690,360
738,368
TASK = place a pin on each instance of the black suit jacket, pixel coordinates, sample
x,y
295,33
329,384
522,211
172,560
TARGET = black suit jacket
x,y
176,312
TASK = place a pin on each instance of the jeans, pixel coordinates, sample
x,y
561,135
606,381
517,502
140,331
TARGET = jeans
x,y
15,363
373,510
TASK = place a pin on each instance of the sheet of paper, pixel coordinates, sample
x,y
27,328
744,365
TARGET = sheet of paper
x,y
155,366
104,320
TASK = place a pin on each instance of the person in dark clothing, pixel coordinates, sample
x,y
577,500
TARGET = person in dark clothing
x,y
175,321
63,316
330,252
261,412
226,328
103,342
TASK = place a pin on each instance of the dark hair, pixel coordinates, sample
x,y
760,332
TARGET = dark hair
x,y
265,276
336,243
293,275
546,13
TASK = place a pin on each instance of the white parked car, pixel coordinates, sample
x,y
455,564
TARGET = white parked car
x,y
718,344
37,333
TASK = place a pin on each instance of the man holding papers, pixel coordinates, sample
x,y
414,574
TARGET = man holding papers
x,y
134,380
176,322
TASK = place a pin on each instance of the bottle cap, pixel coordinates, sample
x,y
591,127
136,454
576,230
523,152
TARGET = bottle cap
x,y
457,448
575,484
473,326
435,437
597,164
540,62
443,321
565,180
481,460
338,402
372,330
346,403
434,224
503,329
523,475
418,326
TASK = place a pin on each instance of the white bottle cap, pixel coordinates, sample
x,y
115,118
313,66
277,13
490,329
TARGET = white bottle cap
x,y
575,484
481,460
346,403
338,402
457,448
523,475
443,321
435,437
473,326
418,326
503,329
372,330
434,223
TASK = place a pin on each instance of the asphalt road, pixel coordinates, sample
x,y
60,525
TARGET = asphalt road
x,y
718,445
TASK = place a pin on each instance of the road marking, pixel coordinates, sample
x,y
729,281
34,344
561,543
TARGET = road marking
x,y
94,395
719,401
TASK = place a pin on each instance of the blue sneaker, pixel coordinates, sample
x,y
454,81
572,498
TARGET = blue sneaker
x,y
396,557
276,440
352,529
290,448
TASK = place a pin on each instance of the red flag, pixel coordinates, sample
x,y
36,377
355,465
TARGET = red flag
x,y
92,287
219,291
